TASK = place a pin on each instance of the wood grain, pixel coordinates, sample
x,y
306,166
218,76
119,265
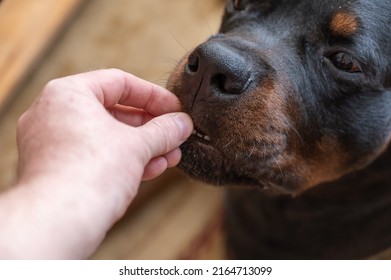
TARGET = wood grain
x,y
26,30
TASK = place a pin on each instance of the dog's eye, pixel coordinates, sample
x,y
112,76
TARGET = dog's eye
x,y
239,5
345,62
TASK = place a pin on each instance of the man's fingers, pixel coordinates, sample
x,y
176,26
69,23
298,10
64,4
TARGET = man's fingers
x,y
158,165
113,86
165,133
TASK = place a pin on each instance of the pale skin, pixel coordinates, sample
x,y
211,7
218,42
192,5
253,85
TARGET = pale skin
x,y
85,145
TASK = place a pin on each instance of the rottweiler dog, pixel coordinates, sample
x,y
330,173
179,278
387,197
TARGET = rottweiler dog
x,y
291,103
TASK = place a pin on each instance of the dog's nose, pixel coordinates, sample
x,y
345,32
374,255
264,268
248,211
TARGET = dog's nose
x,y
219,69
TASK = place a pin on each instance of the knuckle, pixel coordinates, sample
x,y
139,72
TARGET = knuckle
x,y
50,86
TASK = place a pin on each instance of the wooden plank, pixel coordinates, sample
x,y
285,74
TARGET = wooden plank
x,y
26,30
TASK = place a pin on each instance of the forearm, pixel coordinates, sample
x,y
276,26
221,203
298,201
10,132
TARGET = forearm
x,y
39,221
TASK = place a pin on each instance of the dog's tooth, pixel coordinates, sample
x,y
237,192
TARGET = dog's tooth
x,y
200,135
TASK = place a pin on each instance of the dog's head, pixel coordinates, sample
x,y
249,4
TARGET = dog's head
x,y
289,93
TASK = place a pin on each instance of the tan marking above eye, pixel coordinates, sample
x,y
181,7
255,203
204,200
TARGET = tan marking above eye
x,y
344,24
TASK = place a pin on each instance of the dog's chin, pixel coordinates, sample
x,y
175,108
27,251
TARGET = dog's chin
x,y
204,162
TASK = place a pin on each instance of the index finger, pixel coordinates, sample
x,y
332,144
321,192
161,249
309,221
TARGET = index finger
x,y
114,86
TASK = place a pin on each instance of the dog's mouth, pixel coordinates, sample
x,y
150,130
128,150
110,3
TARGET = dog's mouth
x,y
207,161
208,157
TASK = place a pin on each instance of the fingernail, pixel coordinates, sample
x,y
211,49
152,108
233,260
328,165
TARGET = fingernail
x,y
184,123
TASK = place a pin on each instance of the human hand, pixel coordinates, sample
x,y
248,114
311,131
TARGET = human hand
x,y
84,146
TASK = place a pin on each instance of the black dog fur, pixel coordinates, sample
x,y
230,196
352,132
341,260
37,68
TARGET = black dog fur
x,y
291,103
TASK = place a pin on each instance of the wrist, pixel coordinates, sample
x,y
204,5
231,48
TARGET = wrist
x,y
54,218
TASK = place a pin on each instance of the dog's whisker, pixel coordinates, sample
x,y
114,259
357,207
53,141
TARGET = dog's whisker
x,y
217,181
161,82
209,27
295,130
178,41
170,60
278,165
253,149
284,182
225,147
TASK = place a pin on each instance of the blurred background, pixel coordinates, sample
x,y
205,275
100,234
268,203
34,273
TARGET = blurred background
x,y
173,217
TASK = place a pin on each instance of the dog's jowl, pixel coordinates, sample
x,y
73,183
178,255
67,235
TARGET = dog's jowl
x,y
291,103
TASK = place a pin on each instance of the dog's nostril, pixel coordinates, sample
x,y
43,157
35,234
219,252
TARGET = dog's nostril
x,y
219,81
193,63
225,84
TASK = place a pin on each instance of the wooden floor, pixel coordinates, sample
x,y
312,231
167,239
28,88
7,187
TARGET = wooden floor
x,y
173,218
26,31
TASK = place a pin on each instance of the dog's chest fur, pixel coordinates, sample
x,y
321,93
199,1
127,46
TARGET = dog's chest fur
x,y
346,219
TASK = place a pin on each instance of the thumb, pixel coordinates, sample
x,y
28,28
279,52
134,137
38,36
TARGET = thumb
x,y
165,133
